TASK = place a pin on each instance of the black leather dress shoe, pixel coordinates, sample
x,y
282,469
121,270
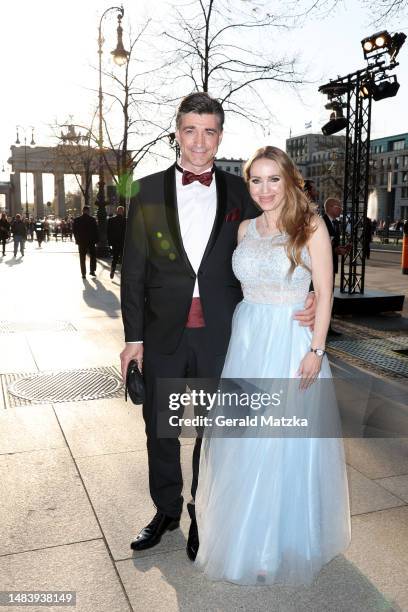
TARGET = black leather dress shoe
x,y
152,533
192,542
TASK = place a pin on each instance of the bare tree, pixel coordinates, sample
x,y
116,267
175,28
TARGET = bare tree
x,y
380,12
217,49
145,116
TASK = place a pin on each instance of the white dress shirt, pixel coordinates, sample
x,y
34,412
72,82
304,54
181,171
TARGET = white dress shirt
x,y
197,207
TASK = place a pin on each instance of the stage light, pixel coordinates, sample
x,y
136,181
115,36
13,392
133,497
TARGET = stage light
x,y
376,44
382,42
337,121
334,88
365,89
385,89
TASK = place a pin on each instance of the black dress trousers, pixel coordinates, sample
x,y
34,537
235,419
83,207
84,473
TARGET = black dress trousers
x,y
192,358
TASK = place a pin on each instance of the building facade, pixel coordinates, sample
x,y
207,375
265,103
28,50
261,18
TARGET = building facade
x,y
388,184
233,166
320,159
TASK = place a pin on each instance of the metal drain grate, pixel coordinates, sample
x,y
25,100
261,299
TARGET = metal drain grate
x,y
14,327
359,330
63,386
379,352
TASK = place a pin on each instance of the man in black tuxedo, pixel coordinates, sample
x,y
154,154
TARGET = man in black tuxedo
x,y
86,236
333,210
179,292
116,237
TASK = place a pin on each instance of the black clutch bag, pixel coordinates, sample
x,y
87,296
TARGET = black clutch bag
x,y
134,384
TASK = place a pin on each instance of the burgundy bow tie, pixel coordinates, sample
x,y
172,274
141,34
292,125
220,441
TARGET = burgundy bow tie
x,y
190,177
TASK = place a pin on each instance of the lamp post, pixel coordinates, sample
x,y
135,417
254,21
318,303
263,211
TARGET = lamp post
x,y
120,57
25,157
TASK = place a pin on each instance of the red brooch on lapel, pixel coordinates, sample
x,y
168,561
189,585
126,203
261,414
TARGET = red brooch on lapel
x,y
233,215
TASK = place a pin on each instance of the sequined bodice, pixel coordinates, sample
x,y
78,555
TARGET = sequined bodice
x,y
261,265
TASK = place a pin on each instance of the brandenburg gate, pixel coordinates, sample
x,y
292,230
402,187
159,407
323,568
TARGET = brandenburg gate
x,y
58,161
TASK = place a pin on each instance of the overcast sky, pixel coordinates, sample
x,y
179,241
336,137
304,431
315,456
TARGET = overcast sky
x,y
49,53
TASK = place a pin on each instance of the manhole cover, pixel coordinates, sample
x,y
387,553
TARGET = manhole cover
x,y
13,327
67,385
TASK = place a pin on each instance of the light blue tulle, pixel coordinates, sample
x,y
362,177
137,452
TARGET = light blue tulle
x,y
270,510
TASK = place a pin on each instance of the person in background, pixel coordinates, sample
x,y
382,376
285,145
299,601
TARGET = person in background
x,y
333,210
30,228
86,236
116,237
4,232
368,236
46,229
19,230
39,231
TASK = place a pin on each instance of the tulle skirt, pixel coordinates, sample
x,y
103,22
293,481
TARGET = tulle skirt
x,y
271,509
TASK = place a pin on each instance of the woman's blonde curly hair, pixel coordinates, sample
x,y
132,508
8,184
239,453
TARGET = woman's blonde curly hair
x,y
298,216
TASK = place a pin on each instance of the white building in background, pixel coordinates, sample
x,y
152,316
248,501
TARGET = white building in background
x,y
388,182
233,166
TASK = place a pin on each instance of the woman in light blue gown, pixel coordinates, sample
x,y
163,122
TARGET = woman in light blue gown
x,y
276,509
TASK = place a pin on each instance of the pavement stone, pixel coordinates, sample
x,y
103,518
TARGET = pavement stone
x,y
117,485
367,495
43,502
83,567
103,426
29,428
378,457
64,350
398,485
379,549
15,355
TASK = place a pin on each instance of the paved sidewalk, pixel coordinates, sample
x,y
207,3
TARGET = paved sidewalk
x,y
73,474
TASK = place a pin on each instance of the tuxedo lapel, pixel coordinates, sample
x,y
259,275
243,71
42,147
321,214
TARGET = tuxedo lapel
x,y
170,201
221,185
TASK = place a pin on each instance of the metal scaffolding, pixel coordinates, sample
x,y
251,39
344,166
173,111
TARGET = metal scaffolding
x,y
359,89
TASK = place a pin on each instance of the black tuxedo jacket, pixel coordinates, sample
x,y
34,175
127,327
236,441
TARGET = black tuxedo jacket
x,y
334,233
157,279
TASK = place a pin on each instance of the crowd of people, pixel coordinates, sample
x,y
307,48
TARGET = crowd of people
x,y
41,229
83,229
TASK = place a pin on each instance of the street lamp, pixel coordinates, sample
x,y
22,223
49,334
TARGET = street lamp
x,y
120,57
25,156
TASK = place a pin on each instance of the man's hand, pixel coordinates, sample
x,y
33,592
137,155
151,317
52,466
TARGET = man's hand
x,y
306,317
131,351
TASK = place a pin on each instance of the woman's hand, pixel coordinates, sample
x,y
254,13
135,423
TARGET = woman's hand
x,y
309,369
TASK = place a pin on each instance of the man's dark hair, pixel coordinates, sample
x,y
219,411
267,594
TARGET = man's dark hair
x,y
202,104
86,209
